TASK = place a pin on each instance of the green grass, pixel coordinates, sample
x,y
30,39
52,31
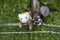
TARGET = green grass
x,y
8,14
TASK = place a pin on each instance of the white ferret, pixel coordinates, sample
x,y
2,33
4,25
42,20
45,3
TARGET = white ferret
x,y
25,18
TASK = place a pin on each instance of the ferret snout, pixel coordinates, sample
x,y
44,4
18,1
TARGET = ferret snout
x,y
35,21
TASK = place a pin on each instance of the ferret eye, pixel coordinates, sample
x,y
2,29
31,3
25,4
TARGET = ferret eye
x,y
26,17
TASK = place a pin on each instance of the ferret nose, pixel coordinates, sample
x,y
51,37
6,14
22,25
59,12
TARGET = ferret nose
x,y
36,22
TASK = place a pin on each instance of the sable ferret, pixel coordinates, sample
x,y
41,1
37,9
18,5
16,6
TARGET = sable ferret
x,y
38,13
25,18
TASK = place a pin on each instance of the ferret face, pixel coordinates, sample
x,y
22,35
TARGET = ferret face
x,y
24,17
37,18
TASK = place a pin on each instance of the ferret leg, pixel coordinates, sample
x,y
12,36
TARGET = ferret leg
x,y
30,25
20,24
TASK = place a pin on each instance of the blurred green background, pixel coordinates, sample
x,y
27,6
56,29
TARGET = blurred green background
x,y
9,9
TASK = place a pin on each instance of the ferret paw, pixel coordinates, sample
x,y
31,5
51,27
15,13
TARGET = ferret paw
x,y
20,25
30,28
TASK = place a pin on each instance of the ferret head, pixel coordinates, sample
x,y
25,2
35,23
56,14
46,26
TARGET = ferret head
x,y
37,19
24,17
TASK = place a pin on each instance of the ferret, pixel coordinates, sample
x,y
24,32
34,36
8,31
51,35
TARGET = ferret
x,y
38,12
36,15
25,18
38,18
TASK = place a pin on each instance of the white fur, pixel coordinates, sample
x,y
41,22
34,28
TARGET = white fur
x,y
23,16
40,21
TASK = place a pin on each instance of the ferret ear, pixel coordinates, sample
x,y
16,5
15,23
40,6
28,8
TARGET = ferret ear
x,y
19,15
27,13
